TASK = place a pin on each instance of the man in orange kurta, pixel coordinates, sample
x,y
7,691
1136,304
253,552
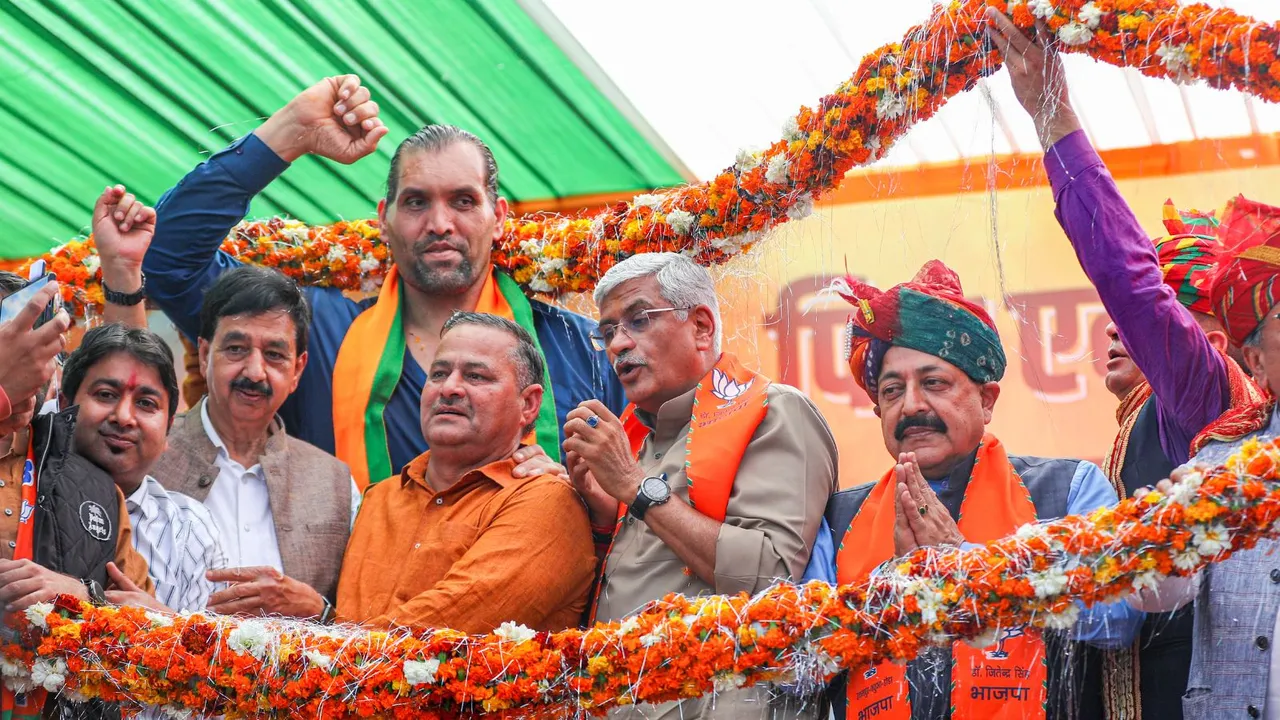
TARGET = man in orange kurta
x,y
456,540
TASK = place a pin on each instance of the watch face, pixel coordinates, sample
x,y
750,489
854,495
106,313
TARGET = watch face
x,y
656,489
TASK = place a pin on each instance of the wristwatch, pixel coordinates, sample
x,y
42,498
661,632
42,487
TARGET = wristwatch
x,y
654,490
125,299
96,595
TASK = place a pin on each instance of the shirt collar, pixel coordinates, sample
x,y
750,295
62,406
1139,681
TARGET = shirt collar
x,y
672,416
277,425
142,500
499,471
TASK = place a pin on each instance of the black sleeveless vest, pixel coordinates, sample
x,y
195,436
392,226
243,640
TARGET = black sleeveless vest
x,y
1075,679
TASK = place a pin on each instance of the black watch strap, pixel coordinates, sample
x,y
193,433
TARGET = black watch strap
x,y
639,506
125,299
96,595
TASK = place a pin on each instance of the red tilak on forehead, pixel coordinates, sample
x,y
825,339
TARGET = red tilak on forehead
x,y
133,381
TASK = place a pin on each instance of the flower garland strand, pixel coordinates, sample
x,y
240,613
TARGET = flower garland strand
x,y
893,88
674,648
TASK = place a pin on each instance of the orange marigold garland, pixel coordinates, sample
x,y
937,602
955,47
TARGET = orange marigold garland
x,y
674,648
892,89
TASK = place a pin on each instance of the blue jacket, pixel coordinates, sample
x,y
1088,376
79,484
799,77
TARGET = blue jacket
x,y
195,216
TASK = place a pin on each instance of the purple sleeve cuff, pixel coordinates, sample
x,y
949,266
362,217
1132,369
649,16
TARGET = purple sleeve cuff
x,y
251,163
1068,158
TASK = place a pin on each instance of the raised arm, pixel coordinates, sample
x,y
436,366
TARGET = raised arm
x,y
1188,375
334,119
122,230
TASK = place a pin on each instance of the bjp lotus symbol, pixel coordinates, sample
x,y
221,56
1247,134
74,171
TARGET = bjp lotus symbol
x,y
726,388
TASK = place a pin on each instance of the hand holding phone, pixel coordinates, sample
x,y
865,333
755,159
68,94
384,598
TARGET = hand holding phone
x,y
27,360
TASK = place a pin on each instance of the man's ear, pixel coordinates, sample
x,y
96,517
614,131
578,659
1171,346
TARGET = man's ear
x,y
203,349
1253,357
990,392
500,210
530,404
704,328
1218,339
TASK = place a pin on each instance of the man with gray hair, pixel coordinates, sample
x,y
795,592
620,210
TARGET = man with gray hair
x,y
457,540
713,481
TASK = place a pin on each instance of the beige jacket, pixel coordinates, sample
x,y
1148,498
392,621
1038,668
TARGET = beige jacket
x,y
786,476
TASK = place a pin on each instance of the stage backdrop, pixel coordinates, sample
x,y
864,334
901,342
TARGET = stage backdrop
x,y
1009,251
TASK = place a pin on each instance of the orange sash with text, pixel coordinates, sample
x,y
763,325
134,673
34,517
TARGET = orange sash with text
x,y
1005,680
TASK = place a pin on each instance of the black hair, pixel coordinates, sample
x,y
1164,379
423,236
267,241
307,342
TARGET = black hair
x,y
252,290
145,346
438,137
530,365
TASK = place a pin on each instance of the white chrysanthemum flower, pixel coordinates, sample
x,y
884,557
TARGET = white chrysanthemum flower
x,y
778,169
1149,579
1042,9
1187,560
336,253
681,221
747,160
319,659
515,632
986,638
250,636
791,130
653,638
176,712
50,675
1091,15
1184,491
38,614
1064,620
890,107
724,682
1030,531
1049,583
802,208
13,669
1074,34
159,620
1210,540
734,243
648,200
1176,59
540,284
369,264
92,263
420,672
629,625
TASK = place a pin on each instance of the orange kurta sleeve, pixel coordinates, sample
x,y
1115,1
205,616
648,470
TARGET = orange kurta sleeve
x,y
127,559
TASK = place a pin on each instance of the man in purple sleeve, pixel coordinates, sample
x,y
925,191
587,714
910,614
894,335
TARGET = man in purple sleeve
x,y
1159,349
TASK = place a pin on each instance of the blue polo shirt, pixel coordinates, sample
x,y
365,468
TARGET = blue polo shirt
x,y
195,216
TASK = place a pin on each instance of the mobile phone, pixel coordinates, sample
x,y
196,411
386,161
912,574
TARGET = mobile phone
x,y
13,304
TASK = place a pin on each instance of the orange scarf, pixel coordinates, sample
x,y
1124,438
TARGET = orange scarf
x,y
26,706
371,361
1005,680
728,405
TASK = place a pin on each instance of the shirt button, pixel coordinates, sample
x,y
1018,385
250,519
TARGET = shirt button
x,y
1275,575
1,483
1254,712
439,501
657,456
1263,642
12,544
8,511
246,528
417,545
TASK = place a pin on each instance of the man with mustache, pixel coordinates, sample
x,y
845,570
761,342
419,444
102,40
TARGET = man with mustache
x,y
457,540
931,361
283,506
358,398
1170,363
712,482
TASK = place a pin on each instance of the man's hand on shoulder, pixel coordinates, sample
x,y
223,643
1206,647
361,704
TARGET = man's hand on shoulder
x,y
335,119
532,461
263,591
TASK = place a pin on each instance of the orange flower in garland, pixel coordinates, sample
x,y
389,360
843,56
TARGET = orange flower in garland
x,y
674,648
893,88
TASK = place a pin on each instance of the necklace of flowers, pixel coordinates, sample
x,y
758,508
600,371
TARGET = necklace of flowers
x,y
893,88
677,647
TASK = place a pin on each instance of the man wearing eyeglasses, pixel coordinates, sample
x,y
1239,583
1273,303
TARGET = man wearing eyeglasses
x,y
712,482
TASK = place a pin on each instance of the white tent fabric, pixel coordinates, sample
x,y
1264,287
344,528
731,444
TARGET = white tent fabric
x,y
713,76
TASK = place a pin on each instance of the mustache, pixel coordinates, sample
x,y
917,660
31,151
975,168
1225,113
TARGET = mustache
x,y
420,246
109,427
244,384
932,422
459,405
629,357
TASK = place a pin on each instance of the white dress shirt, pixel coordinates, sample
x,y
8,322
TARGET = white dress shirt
x,y
178,538
241,507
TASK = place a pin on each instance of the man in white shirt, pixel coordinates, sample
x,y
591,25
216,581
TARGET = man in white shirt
x,y
123,382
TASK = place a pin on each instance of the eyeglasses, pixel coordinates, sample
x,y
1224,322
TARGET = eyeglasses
x,y
634,325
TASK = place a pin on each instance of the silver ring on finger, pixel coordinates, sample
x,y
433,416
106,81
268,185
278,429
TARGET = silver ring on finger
x,y
593,421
